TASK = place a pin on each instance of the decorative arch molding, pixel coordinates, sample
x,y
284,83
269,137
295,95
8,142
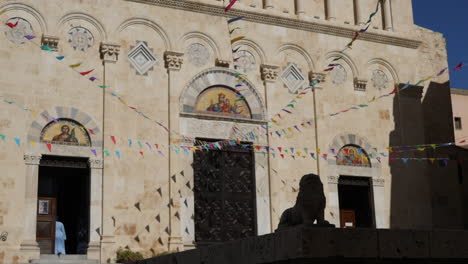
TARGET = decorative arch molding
x,y
346,58
202,36
28,9
147,23
301,51
387,65
255,47
218,76
85,17
63,112
345,139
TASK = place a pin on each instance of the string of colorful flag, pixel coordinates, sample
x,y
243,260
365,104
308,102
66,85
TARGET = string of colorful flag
x,y
280,152
329,68
374,99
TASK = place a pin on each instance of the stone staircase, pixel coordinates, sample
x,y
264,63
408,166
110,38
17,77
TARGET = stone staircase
x,y
67,259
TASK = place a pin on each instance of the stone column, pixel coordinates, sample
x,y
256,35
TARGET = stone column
x,y
300,9
102,185
173,63
96,225
359,12
380,208
267,4
388,22
269,75
330,7
333,203
29,246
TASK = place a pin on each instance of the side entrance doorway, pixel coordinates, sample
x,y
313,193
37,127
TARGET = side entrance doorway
x,y
63,204
225,193
356,202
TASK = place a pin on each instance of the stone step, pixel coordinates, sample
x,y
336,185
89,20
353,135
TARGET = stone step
x,y
64,259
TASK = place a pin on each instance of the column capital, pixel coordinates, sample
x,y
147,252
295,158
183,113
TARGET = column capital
x,y
96,164
360,84
222,63
173,60
317,76
109,52
269,73
32,159
50,41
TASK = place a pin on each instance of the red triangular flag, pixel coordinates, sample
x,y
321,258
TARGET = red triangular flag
x,y
49,147
86,72
141,153
11,25
113,139
459,66
91,131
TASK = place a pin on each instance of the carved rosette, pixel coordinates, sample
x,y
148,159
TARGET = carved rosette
x,y
96,164
269,72
32,159
109,52
50,41
173,60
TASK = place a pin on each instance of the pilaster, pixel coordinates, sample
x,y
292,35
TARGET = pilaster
x,y
50,41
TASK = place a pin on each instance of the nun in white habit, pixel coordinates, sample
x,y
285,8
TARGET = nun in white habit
x,y
60,238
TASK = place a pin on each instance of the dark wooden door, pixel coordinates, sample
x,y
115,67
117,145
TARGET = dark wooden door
x,y
225,200
45,229
348,218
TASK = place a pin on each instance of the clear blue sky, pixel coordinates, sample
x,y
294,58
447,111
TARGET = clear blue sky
x,y
450,18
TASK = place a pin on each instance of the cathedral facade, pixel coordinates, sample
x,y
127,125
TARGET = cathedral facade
x,y
162,125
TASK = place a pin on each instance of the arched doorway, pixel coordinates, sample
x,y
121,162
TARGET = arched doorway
x,y
354,192
63,191
231,195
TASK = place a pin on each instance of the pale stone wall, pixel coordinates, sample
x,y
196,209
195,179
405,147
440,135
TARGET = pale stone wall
x,y
34,78
460,109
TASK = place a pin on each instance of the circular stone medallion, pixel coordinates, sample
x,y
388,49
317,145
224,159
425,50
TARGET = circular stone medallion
x,y
80,38
198,54
245,62
21,27
379,79
338,75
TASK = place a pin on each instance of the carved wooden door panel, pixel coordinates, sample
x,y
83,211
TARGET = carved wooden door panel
x,y
225,203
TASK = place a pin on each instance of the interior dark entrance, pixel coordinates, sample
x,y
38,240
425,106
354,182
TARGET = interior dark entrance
x,y
225,196
67,181
356,201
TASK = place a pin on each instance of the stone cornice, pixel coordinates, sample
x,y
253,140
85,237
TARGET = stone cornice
x,y
283,22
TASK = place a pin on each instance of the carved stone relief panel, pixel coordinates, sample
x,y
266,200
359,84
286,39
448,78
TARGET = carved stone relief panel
x,y
141,57
16,28
198,54
293,78
338,75
80,38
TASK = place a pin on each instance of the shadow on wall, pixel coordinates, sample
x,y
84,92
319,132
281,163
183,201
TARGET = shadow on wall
x,y
426,194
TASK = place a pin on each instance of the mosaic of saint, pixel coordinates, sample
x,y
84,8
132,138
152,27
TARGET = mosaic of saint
x,y
222,101
65,132
352,156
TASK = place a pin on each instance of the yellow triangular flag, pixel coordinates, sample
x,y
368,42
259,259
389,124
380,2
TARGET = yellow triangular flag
x,y
75,65
33,143
237,39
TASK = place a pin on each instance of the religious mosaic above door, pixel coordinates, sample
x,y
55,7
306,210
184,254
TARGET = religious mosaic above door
x,y
65,132
222,101
351,155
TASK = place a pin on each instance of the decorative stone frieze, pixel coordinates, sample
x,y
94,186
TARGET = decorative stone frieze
x,y
294,23
269,73
96,164
109,52
360,84
222,63
50,41
173,60
32,159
